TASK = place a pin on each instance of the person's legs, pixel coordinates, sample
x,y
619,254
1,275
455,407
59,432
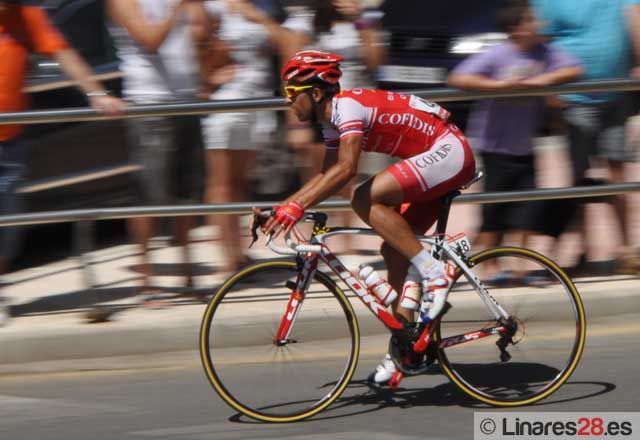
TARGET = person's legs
x,y
374,202
583,126
226,182
420,216
520,217
13,156
424,178
230,140
497,178
613,147
140,230
150,142
616,169
188,174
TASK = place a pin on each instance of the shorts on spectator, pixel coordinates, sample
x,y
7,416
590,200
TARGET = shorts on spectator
x,y
171,155
237,131
599,130
505,172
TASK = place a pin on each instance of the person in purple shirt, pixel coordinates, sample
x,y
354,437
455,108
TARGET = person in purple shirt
x,y
502,130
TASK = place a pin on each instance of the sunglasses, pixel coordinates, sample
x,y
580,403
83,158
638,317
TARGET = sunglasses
x,y
292,92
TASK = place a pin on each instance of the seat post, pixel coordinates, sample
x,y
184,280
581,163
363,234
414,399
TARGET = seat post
x,y
443,218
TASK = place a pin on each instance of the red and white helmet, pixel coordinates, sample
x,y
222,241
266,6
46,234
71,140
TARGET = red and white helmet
x,y
309,65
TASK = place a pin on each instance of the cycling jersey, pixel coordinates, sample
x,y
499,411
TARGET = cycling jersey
x,y
390,123
437,156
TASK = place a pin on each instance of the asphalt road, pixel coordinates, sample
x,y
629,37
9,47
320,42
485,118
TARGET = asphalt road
x,y
168,397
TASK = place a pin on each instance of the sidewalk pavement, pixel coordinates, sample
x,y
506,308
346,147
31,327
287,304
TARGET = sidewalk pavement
x,y
49,306
49,303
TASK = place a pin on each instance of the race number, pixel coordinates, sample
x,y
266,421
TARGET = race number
x,y
460,242
428,107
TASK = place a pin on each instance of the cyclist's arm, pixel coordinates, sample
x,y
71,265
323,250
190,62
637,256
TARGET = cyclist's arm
x,y
338,169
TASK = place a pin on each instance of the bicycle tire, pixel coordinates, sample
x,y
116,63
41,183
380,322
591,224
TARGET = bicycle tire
x,y
261,271
454,372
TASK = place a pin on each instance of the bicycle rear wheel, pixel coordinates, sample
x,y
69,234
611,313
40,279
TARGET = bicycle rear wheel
x,y
271,381
548,320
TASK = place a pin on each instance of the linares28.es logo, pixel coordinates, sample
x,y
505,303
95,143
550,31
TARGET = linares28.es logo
x,y
585,426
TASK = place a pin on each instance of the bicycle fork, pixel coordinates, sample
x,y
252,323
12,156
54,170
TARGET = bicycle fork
x,y
298,290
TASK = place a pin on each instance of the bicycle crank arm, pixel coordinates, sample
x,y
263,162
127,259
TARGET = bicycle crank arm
x,y
395,380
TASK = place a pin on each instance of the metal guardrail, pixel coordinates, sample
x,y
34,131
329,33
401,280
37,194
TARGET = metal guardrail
x,y
67,115
83,219
105,72
76,178
221,106
84,215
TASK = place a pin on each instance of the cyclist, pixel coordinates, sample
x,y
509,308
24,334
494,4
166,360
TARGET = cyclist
x,y
398,202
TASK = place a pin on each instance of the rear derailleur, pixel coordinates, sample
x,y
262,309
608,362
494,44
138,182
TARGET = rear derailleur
x,y
506,338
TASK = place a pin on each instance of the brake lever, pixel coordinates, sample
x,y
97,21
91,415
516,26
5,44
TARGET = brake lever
x,y
256,222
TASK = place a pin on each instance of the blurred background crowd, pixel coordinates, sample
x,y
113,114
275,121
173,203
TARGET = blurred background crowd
x,y
167,51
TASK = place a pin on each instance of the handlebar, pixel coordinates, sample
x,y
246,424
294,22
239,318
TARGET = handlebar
x,y
293,248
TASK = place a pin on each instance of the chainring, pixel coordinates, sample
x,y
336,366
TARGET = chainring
x,y
401,347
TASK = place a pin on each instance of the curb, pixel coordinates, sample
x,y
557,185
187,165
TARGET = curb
x,y
143,332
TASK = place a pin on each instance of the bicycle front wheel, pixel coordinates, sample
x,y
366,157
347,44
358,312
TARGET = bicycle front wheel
x,y
547,318
270,380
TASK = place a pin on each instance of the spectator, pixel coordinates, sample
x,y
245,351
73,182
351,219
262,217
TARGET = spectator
x,y
25,29
232,138
155,43
503,129
343,27
600,33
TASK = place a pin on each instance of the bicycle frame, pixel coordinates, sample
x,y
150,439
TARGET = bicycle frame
x,y
318,251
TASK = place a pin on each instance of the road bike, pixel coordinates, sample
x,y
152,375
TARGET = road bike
x,y
280,340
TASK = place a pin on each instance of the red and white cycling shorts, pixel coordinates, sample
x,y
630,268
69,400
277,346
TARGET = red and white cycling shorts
x,y
428,176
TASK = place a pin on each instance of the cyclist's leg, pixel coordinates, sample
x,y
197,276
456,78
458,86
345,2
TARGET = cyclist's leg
x,y
420,216
374,201
423,178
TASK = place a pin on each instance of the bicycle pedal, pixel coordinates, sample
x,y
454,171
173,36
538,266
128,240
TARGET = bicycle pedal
x,y
395,380
283,342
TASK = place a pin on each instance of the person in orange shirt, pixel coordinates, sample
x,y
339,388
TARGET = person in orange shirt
x,y
25,29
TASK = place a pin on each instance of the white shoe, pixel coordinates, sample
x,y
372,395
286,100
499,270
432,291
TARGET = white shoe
x,y
384,371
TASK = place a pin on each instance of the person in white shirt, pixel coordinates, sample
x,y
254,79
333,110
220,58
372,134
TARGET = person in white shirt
x,y
155,44
232,138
